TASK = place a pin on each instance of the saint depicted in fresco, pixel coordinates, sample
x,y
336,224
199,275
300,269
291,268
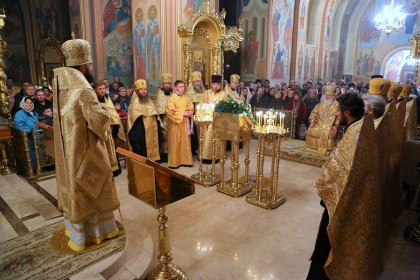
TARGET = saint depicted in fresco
x,y
302,16
371,63
116,14
251,53
300,62
278,70
191,7
153,47
306,67
140,44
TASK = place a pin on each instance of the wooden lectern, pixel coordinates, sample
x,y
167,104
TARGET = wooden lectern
x,y
158,186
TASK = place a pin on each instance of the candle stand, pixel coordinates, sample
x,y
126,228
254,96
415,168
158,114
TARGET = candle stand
x,y
205,178
269,129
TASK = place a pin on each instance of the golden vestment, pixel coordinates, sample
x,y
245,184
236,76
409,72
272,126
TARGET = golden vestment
x,y
409,164
115,118
160,104
321,137
232,94
82,128
208,97
350,190
389,160
401,110
179,144
194,96
148,112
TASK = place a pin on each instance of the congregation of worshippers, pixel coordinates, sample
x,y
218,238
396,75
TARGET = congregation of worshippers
x,y
314,103
333,118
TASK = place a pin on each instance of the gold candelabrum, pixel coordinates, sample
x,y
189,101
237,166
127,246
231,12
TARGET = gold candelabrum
x,y
203,118
270,129
236,128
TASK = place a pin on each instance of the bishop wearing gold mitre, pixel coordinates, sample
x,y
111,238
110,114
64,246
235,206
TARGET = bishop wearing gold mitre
x,y
348,245
143,124
321,135
179,110
195,89
213,95
389,148
231,89
160,102
393,92
85,186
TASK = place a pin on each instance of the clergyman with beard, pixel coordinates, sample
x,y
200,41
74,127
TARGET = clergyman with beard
x,y
195,89
213,95
143,125
83,147
323,132
160,102
195,92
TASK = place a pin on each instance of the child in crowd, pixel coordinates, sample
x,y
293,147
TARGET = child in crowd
x,y
47,116
120,112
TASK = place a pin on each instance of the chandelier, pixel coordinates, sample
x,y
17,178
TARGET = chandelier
x,y
390,18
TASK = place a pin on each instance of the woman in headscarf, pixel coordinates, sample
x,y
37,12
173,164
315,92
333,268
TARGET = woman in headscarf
x,y
24,120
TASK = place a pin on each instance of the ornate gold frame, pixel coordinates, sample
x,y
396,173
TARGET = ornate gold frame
x,y
49,44
211,28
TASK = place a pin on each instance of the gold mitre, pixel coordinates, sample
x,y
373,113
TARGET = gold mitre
x,y
196,76
397,91
379,86
330,90
77,52
406,90
166,78
391,90
234,78
140,84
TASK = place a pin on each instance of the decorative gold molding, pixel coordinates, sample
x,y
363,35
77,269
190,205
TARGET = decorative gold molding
x,y
219,40
49,44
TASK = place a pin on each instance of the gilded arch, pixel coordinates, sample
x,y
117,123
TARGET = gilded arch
x,y
203,41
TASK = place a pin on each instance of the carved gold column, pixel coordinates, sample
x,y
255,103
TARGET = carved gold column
x,y
4,105
187,55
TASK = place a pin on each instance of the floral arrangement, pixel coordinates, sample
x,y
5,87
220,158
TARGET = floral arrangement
x,y
235,107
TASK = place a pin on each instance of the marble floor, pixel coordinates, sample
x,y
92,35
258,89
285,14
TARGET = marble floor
x,y
213,236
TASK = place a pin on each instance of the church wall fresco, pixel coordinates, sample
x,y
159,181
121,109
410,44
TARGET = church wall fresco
x,y
374,46
147,41
302,59
117,41
254,46
280,40
13,33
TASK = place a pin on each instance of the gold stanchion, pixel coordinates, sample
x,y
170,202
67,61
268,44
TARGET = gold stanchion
x,y
165,269
205,178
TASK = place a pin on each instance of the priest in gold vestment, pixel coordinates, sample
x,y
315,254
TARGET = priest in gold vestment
x,y
348,245
143,125
195,92
85,186
179,110
195,89
231,89
213,95
409,162
162,97
321,135
117,134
